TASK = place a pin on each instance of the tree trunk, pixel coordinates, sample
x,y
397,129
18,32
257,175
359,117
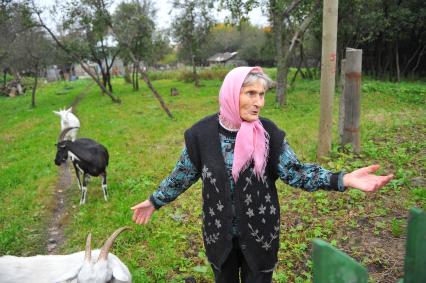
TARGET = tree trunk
x,y
328,82
280,98
137,81
103,74
282,59
398,73
108,76
99,83
194,70
404,70
151,87
299,66
418,60
34,87
135,69
104,79
4,78
127,78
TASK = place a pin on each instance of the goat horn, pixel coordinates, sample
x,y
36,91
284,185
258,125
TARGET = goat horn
x,y
108,244
88,252
64,132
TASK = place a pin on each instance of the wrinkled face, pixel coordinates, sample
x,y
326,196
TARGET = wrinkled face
x,y
61,154
252,99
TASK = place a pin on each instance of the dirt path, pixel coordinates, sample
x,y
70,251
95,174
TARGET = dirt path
x,y
55,231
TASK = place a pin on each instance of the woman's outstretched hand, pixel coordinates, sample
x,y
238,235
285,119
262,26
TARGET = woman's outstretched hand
x,y
142,212
365,180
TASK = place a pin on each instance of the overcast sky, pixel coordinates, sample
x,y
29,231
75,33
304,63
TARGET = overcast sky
x,y
163,19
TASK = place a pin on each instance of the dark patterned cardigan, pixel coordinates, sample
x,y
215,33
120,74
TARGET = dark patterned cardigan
x,y
250,208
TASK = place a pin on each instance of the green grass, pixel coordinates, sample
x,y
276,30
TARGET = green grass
x,y
144,145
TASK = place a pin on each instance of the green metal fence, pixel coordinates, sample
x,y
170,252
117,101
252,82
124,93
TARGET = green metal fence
x,y
333,266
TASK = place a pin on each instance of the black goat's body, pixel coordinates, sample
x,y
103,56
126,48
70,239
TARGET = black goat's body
x,y
89,159
92,157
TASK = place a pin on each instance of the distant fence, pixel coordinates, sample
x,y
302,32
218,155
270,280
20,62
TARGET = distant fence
x,y
331,265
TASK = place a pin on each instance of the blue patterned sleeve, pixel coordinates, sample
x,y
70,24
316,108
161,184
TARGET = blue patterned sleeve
x,y
309,177
182,177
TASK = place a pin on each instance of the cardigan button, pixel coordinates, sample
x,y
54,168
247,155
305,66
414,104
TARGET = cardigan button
x,y
243,247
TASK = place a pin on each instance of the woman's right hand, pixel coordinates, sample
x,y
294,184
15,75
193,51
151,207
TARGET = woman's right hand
x,y
142,212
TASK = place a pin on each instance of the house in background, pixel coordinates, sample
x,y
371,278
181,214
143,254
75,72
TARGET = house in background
x,y
227,58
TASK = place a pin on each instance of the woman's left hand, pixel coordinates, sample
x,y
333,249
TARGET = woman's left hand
x,y
365,180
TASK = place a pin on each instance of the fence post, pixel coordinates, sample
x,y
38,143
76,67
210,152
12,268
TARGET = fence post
x,y
352,99
332,265
342,99
415,250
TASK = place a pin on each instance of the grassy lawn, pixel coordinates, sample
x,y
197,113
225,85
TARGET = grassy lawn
x,y
144,145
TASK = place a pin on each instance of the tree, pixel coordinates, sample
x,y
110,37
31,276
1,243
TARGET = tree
x,y
289,21
33,53
88,21
392,35
74,44
25,48
15,18
191,28
134,24
126,43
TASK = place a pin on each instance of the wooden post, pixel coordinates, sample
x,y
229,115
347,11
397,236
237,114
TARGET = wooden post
x,y
332,265
342,99
415,259
352,98
328,70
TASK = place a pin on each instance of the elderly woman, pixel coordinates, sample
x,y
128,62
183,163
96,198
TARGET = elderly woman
x,y
239,156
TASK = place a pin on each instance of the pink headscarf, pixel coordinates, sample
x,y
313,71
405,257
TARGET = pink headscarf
x,y
252,142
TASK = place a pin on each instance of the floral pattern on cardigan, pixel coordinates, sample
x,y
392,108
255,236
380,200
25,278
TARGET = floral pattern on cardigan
x,y
309,177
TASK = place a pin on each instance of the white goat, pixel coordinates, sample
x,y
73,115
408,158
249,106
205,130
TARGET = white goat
x,y
69,120
78,267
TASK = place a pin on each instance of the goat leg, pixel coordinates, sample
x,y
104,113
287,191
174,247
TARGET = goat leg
x,y
104,185
84,189
77,172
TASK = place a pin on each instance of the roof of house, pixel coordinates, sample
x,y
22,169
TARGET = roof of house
x,y
222,57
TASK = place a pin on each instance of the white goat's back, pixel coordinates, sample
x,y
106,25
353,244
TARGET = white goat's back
x,y
38,268
63,268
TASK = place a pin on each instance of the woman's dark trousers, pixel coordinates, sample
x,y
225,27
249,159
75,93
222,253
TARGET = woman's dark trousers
x,y
236,270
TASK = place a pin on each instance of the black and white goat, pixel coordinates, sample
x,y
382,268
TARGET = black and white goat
x,y
88,157
98,266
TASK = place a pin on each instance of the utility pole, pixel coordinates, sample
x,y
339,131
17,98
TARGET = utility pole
x,y
328,70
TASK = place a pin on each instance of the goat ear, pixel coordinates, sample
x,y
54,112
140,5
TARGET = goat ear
x,y
119,270
57,113
69,109
121,274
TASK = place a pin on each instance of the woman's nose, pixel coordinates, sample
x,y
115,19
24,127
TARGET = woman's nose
x,y
258,100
